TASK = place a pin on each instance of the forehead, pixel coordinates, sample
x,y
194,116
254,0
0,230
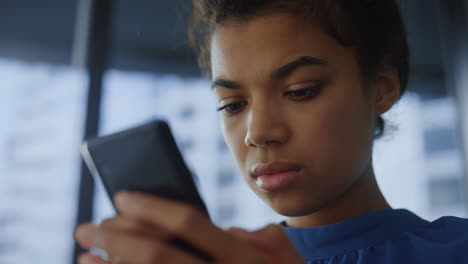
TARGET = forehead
x,y
259,45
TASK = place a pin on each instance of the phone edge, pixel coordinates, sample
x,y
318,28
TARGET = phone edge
x,y
88,159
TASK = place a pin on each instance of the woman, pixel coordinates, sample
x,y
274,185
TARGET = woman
x,y
301,86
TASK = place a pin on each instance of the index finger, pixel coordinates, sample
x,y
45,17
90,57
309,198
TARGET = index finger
x,y
184,221
85,234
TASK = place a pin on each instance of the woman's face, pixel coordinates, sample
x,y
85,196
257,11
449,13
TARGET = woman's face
x,y
294,112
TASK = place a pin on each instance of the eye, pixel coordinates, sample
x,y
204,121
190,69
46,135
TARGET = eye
x,y
234,108
304,94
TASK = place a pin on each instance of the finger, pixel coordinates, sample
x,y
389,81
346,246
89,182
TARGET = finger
x,y
130,248
132,225
251,238
239,233
273,242
182,220
85,235
90,259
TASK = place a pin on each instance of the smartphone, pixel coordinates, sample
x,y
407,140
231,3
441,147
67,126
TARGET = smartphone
x,y
144,159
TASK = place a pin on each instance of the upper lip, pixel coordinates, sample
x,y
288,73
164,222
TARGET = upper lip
x,y
274,168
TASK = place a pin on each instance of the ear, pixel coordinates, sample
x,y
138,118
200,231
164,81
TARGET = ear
x,y
387,90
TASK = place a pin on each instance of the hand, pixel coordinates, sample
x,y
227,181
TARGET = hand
x,y
139,235
272,242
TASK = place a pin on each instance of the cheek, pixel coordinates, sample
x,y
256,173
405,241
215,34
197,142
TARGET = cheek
x,y
346,123
341,134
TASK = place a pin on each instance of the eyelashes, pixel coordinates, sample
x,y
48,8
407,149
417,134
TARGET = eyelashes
x,y
232,109
303,94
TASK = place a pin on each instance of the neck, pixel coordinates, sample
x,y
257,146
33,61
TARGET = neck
x,y
362,197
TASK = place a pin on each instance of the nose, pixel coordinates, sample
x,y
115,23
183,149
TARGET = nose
x,y
266,127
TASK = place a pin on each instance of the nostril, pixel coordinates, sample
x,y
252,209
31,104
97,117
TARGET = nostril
x,y
263,143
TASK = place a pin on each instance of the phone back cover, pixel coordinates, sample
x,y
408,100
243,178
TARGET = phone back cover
x,y
144,159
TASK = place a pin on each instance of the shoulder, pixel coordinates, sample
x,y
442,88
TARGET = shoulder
x,y
447,228
389,236
450,222
444,240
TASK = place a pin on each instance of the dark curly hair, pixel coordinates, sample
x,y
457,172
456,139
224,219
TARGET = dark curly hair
x,y
372,28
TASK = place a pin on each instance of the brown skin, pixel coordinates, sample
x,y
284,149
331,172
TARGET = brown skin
x,y
139,235
330,134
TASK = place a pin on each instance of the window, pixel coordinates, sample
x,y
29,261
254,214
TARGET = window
x,y
446,193
402,164
226,177
42,112
222,147
225,212
440,139
187,113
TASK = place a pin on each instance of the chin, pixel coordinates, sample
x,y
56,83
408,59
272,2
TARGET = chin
x,y
293,206
294,212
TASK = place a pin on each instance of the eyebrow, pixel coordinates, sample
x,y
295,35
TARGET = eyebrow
x,y
226,84
292,66
280,73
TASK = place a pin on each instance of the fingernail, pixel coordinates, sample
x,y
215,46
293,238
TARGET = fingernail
x,y
102,254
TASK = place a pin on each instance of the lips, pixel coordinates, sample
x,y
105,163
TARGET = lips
x,y
275,175
274,168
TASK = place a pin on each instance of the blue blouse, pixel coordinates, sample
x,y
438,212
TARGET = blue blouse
x,y
384,237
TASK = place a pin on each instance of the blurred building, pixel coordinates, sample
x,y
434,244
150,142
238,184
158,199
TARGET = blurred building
x,y
418,163
41,117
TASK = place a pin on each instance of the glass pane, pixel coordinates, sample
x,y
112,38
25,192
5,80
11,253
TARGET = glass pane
x,y
42,105
41,116
411,171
